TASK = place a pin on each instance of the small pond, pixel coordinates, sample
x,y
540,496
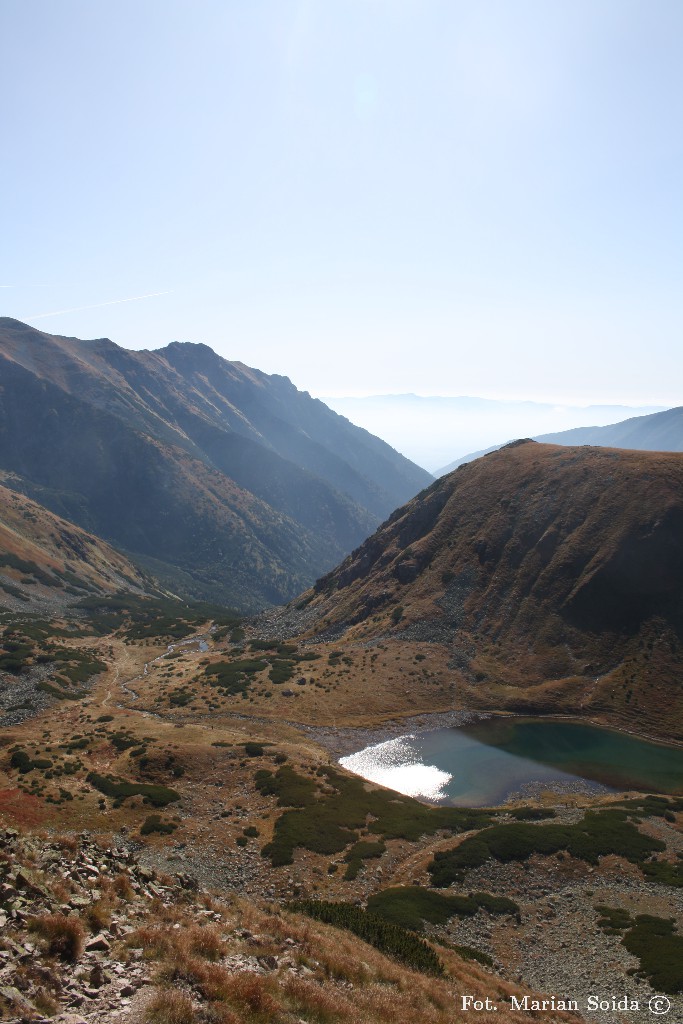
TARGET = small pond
x,y
485,763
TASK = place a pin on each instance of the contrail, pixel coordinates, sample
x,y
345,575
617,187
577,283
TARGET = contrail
x,y
95,305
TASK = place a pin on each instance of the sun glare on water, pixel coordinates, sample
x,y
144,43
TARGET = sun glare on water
x,y
396,764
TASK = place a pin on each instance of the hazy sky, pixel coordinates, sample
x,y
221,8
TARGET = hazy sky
x,y
458,197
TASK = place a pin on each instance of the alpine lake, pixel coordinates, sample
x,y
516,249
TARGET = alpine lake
x,y
501,758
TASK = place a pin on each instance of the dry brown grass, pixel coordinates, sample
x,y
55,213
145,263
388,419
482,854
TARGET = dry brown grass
x,y
65,935
69,844
219,1013
204,941
98,915
167,913
155,942
169,1006
314,1002
46,1003
60,890
122,887
252,993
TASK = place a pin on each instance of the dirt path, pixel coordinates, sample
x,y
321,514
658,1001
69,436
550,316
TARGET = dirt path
x,y
417,862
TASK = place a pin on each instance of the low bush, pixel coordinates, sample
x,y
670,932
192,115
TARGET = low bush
x,y
331,813
469,953
595,836
410,906
359,852
158,796
532,813
387,937
65,935
153,823
653,941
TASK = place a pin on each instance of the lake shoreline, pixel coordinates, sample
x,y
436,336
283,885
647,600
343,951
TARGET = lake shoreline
x,y
337,739
340,741
599,769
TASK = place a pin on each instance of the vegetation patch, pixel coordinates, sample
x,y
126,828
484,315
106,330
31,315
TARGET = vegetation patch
x,y
22,565
146,618
25,764
253,749
234,677
664,871
469,953
58,692
384,936
653,940
598,834
532,813
281,671
17,653
154,823
65,935
331,811
410,906
359,852
158,796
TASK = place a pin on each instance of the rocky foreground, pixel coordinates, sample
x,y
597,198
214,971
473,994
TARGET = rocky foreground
x,y
89,935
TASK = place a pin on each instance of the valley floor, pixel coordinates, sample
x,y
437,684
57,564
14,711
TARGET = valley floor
x,y
192,756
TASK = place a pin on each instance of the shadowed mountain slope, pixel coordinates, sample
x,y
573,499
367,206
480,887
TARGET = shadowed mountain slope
x,y
551,573
229,484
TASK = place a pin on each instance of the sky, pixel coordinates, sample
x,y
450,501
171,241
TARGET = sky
x,y
468,197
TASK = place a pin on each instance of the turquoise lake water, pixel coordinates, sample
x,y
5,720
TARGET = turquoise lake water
x,y
485,763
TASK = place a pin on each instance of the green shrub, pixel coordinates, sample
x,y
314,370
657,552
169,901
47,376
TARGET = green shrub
x,y
281,671
384,936
359,852
533,813
410,906
653,941
665,872
21,761
153,823
328,820
468,953
595,836
233,677
158,796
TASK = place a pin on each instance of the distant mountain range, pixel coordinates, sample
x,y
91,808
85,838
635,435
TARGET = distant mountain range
x,y
554,575
433,429
658,432
225,483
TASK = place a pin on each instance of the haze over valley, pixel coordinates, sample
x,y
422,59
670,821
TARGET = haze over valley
x,y
435,430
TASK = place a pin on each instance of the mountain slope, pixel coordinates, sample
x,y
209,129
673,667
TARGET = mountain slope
x,y
656,432
231,485
47,563
553,575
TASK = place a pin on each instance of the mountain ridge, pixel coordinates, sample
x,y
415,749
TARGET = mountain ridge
x,y
658,431
551,575
117,441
